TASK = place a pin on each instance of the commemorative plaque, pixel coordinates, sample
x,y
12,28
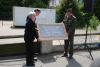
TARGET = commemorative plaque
x,y
52,31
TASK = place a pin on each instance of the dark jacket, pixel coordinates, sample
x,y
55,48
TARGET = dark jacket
x,y
30,30
70,23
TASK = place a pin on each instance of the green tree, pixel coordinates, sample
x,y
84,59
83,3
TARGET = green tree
x,y
64,5
83,18
28,3
6,7
97,8
36,3
94,22
90,17
41,3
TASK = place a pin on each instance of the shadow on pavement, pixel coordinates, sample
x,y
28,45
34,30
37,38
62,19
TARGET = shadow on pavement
x,y
47,59
73,63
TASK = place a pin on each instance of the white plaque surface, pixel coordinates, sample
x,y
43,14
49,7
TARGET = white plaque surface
x,y
52,31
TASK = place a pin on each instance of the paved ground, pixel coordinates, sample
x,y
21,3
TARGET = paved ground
x,y
5,29
80,59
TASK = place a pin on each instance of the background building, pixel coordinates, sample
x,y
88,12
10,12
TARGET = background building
x,y
53,3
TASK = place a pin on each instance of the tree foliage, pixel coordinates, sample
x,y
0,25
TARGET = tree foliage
x,y
83,18
6,6
94,22
64,5
36,3
97,8
41,3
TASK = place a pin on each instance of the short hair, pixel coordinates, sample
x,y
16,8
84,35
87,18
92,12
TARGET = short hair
x,y
37,10
69,10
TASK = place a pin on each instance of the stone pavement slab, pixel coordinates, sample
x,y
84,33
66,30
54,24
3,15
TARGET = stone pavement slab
x,y
80,59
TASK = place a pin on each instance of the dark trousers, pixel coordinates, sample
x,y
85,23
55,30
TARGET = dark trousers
x,y
68,46
29,52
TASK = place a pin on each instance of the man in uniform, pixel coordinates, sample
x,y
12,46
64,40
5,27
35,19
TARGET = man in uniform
x,y
29,36
70,23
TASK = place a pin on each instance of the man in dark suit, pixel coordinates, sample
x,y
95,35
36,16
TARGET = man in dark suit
x,y
70,23
31,33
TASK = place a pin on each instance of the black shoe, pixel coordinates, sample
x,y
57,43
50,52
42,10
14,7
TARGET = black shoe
x,y
29,65
65,55
70,56
32,64
34,59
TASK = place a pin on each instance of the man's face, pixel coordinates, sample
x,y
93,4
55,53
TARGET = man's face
x,y
37,13
68,13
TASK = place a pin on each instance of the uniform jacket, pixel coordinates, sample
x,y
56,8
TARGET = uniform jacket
x,y
70,23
